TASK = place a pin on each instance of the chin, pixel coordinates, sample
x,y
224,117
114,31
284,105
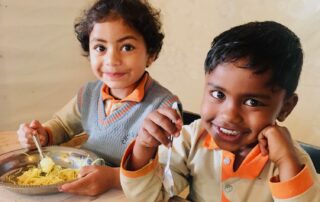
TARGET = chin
x,y
227,146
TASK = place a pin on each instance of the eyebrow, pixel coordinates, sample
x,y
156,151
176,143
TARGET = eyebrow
x,y
119,40
255,95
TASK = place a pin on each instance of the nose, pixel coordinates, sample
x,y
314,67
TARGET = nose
x,y
112,58
230,112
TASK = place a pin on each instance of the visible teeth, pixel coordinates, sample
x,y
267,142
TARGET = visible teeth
x,y
229,132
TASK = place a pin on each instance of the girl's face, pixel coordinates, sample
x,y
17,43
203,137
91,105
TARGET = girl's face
x,y
118,56
237,104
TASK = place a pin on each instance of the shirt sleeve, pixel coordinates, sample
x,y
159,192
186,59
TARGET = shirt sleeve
x,y
305,186
65,124
145,184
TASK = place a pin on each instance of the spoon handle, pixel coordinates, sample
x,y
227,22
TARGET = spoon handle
x,y
37,143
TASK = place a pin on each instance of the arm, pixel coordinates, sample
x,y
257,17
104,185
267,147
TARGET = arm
x,y
65,123
141,176
297,180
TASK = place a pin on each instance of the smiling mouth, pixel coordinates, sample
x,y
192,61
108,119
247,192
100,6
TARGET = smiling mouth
x,y
114,75
228,134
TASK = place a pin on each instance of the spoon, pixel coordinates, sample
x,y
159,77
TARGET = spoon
x,y
168,178
46,163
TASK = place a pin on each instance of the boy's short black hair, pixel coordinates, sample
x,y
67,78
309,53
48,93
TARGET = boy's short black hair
x,y
137,14
267,46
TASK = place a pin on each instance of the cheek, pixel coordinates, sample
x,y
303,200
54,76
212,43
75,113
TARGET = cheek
x,y
94,62
208,109
259,121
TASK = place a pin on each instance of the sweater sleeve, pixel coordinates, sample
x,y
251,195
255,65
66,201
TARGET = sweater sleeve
x,y
65,124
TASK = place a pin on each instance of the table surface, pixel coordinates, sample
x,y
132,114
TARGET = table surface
x,y
9,142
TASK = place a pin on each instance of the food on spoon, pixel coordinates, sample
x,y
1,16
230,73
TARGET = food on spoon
x,y
46,164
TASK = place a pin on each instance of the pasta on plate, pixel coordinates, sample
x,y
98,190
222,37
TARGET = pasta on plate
x,y
34,176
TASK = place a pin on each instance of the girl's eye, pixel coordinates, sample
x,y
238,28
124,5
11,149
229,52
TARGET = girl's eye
x,y
253,102
127,47
99,48
218,95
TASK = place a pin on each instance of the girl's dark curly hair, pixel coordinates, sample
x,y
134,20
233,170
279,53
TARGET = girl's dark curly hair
x,y
137,14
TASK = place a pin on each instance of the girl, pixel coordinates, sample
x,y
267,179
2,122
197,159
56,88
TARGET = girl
x,y
121,38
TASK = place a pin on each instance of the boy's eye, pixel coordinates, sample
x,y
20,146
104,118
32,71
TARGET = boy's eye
x,y
127,47
253,102
218,95
99,48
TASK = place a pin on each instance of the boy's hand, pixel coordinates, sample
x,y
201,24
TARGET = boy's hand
x,y
26,131
276,141
94,180
155,130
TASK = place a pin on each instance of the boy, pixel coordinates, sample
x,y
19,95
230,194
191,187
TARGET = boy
x,y
236,151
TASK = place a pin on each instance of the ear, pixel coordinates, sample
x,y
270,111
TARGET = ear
x,y
150,60
287,107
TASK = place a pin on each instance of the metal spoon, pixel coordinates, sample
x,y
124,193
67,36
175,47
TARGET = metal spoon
x,y
37,143
168,178
46,163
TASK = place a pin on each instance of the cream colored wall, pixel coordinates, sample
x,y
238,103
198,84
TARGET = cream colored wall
x,y
41,66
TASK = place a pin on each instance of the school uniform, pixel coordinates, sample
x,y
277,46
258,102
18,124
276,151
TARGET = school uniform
x,y
198,162
110,123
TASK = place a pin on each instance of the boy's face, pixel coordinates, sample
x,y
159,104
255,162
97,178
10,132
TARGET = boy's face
x,y
237,104
118,55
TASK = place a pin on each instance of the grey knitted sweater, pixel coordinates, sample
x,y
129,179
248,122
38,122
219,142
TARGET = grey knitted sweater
x,y
110,135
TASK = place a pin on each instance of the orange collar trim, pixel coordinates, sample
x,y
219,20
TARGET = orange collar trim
x,y
135,96
209,143
251,166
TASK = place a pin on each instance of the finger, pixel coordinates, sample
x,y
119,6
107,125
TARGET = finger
x,y
152,130
35,124
24,135
166,118
76,187
85,171
172,114
263,144
150,140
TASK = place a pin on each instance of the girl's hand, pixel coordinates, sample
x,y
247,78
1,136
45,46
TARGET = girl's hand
x,y
26,131
94,180
276,142
155,130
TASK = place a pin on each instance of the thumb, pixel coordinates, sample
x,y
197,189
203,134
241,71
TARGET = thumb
x,y
263,144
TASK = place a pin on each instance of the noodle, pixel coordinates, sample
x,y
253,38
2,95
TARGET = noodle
x,y
34,176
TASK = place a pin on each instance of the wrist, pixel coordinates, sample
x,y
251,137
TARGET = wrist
x,y
141,156
116,178
46,138
289,167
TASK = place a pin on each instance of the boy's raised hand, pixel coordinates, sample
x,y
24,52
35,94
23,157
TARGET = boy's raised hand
x,y
26,131
155,130
276,142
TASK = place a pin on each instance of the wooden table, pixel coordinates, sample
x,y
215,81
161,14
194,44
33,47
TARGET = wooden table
x,y
9,142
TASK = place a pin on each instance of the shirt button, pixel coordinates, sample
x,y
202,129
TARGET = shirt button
x,y
228,188
226,161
